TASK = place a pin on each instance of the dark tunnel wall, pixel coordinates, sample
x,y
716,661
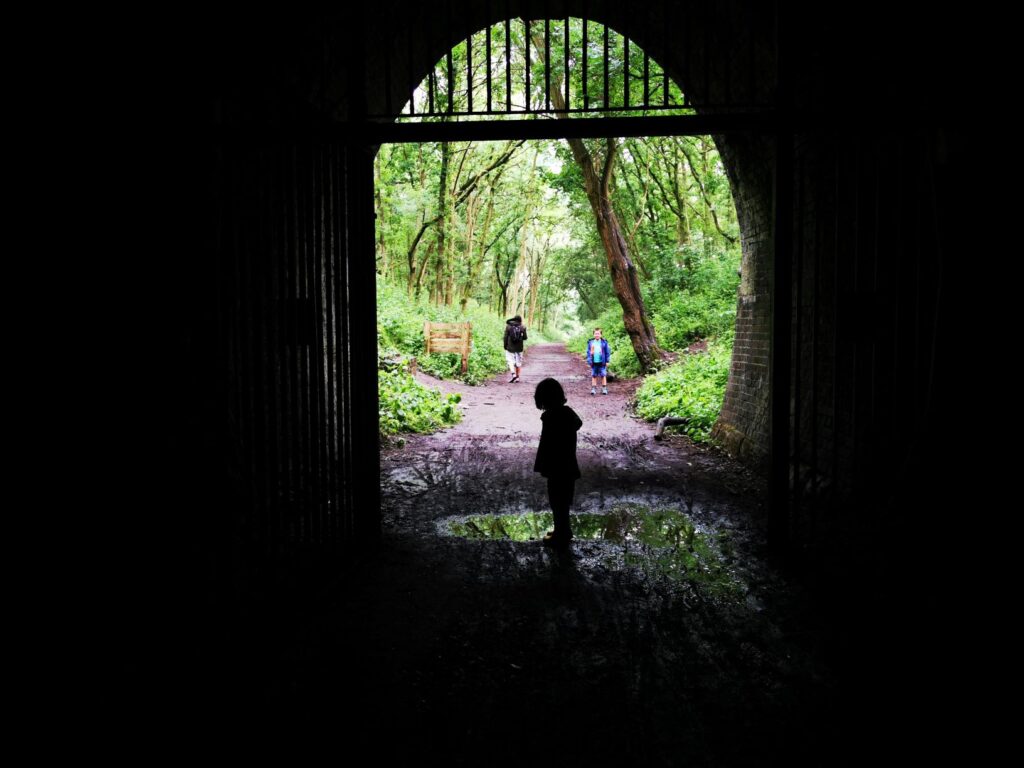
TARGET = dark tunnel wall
x,y
219,456
254,186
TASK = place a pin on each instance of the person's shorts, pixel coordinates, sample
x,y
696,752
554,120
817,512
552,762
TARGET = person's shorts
x,y
514,359
598,370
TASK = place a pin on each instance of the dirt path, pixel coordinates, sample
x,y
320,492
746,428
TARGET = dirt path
x,y
499,408
498,652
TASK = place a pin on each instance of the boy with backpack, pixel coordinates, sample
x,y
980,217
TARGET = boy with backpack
x,y
598,353
515,335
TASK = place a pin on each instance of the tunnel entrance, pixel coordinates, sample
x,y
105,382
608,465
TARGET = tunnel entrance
x,y
275,403
466,224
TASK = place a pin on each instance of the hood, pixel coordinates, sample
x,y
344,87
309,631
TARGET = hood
x,y
514,321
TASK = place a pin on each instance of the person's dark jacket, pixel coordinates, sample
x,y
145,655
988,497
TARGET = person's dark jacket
x,y
556,454
510,344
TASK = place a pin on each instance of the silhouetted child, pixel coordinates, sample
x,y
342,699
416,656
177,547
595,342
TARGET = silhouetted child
x,y
556,457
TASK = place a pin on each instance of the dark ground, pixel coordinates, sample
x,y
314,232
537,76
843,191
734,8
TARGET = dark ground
x,y
501,652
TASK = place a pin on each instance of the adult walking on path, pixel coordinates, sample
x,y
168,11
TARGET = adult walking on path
x,y
515,335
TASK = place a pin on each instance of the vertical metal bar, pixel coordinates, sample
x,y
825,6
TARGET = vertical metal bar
x,y
605,100
625,71
347,402
313,359
508,58
647,80
687,83
411,76
526,37
547,63
343,506
469,73
586,42
450,85
665,26
308,460
330,346
322,343
568,43
340,465
431,79
344,469
488,75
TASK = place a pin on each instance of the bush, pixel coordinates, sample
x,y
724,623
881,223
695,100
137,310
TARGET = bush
x,y
693,388
408,406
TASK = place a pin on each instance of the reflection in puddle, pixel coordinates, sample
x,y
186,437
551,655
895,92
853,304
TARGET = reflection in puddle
x,y
661,542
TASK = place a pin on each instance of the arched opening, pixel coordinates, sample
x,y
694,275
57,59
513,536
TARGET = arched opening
x,y
275,346
678,233
466,501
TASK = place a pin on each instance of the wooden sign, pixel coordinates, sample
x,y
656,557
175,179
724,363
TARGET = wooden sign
x,y
448,337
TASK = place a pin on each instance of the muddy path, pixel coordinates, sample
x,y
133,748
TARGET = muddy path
x,y
497,652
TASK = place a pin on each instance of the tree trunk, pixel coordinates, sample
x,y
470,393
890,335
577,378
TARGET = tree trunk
x,y
442,225
623,271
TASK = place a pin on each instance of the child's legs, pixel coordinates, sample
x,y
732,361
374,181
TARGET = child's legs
x,y
561,491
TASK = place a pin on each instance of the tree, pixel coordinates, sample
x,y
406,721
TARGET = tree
x,y
620,264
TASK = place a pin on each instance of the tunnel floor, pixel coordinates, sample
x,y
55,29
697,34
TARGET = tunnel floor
x,y
493,651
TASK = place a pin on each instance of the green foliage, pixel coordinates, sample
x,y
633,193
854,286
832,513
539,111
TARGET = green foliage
x,y
408,406
400,329
706,308
693,389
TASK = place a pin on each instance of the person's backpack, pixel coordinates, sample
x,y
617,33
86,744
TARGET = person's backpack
x,y
515,333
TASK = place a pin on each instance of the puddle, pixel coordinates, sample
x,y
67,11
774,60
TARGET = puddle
x,y
660,542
